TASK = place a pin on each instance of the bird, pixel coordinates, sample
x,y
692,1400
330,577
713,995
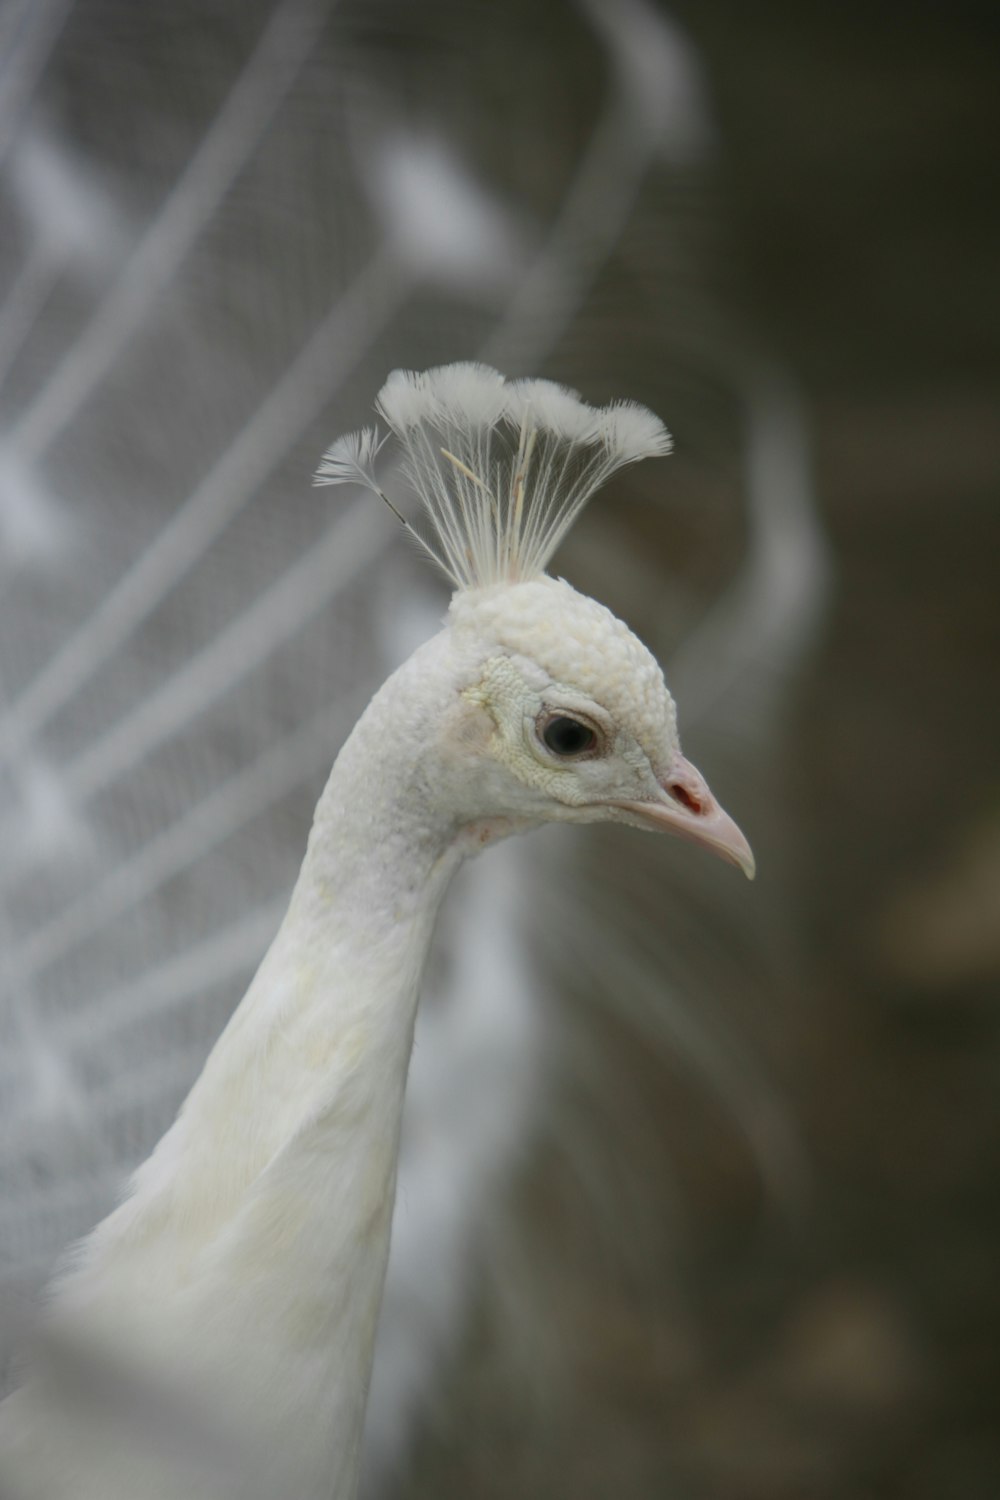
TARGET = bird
x,y
214,1335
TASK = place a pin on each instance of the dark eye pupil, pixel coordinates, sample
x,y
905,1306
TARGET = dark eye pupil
x,y
568,736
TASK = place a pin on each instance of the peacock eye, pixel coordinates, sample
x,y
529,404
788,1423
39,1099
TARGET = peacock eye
x,y
565,736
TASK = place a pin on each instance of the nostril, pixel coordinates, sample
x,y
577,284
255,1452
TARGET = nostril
x,y
685,797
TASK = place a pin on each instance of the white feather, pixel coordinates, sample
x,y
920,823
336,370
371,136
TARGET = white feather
x,y
351,460
502,469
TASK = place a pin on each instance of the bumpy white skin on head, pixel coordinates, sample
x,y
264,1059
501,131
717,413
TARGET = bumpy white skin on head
x,y
238,1285
562,653
564,638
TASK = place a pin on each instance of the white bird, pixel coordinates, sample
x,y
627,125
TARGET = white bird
x,y
213,1336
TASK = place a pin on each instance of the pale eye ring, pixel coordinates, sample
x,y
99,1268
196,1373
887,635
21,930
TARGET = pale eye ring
x,y
568,737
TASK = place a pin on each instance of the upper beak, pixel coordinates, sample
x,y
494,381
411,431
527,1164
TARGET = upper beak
x,y
687,808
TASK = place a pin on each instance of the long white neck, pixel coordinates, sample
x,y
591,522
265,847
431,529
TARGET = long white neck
x,y
249,1258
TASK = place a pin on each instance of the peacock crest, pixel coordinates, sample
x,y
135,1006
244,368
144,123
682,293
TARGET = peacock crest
x,y
502,468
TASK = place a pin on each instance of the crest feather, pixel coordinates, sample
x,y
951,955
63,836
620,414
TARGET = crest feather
x,y
351,459
502,468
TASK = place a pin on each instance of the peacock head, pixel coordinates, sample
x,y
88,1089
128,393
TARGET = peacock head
x,y
562,714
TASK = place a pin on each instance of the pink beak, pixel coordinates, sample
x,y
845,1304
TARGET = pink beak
x,y
688,809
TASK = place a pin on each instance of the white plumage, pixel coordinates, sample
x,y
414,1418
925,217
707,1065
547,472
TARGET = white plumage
x,y
214,1335
502,468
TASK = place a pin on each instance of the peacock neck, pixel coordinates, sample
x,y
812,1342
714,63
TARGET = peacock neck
x,y
261,1221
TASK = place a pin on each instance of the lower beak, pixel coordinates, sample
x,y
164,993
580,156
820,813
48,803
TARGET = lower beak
x,y
687,808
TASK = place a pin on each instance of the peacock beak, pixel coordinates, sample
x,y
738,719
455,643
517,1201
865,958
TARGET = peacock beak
x,y
688,809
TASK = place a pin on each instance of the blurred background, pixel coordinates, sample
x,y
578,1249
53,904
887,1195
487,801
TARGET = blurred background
x,y
698,1187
